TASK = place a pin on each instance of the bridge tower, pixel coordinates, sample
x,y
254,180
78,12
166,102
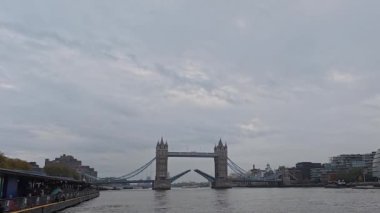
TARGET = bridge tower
x,y
162,181
221,172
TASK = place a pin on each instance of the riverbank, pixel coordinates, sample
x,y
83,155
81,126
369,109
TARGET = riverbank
x,y
46,204
59,206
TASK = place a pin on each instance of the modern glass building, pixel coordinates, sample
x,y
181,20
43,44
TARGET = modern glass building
x,y
349,161
376,165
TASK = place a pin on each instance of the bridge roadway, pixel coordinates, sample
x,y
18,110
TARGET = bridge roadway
x,y
123,181
192,154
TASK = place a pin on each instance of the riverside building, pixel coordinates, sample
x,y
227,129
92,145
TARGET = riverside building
x,y
349,161
87,173
376,165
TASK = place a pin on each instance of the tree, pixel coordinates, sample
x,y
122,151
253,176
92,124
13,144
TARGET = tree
x,y
18,164
9,163
61,170
351,175
2,160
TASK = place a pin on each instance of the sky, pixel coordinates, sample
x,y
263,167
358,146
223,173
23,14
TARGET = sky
x,y
279,81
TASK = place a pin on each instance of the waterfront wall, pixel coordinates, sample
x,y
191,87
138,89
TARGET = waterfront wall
x,y
46,204
53,207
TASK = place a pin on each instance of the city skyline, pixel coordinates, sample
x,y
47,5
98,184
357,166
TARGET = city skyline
x,y
151,170
281,83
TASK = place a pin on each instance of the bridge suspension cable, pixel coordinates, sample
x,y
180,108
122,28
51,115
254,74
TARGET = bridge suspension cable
x,y
235,170
90,176
235,167
137,171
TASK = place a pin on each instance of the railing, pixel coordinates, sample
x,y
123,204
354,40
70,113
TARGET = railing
x,y
19,203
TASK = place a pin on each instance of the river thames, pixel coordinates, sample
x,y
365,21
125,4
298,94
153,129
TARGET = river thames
x,y
295,200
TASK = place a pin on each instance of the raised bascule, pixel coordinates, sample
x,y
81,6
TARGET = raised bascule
x,y
220,155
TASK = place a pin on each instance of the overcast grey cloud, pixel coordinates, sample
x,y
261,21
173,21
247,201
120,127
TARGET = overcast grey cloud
x,y
280,81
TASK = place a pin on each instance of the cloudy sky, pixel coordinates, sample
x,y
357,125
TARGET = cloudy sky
x,y
280,81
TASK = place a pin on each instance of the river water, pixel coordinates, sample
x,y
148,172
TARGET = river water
x,y
239,200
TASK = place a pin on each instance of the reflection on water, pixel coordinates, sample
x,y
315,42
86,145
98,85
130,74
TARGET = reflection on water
x,y
296,200
161,201
222,200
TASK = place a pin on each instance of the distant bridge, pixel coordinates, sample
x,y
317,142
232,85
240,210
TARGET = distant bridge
x,y
162,180
121,181
126,181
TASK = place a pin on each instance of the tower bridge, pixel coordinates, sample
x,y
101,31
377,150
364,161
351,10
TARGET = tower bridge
x,y
162,181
